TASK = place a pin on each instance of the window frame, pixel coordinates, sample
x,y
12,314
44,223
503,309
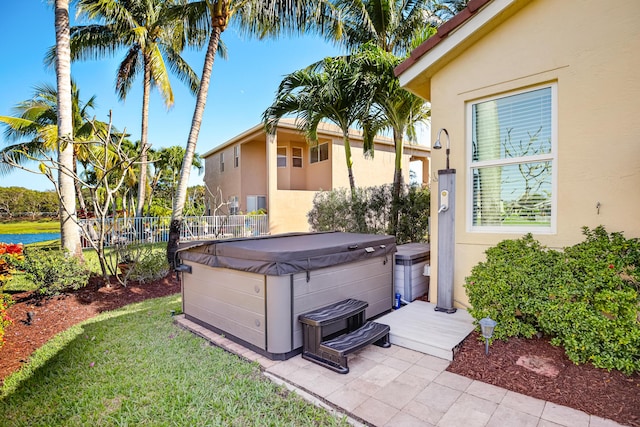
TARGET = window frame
x,y
552,157
234,205
294,157
278,157
236,156
318,157
257,197
222,161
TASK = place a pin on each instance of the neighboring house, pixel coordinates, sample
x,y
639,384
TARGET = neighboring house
x,y
281,173
541,99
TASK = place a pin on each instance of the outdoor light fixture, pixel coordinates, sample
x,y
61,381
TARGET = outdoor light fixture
x,y
438,145
486,326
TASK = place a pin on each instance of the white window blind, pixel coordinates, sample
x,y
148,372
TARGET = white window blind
x,y
512,161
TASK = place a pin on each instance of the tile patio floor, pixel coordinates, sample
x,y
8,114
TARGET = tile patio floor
x,y
401,387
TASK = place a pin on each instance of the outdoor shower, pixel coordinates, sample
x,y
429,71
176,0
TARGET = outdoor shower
x,y
446,229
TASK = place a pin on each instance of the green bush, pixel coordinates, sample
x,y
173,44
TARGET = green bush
x,y
5,320
415,210
151,266
146,262
585,297
368,210
53,272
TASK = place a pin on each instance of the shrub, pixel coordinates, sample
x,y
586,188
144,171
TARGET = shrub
x,y
11,256
368,210
53,272
5,320
145,263
585,298
415,210
152,266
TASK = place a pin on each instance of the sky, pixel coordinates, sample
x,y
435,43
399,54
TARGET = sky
x,y
242,86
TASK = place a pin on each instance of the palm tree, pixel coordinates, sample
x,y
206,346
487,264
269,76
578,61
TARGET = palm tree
x,y
254,17
447,9
392,25
394,108
167,163
153,38
36,119
334,90
69,233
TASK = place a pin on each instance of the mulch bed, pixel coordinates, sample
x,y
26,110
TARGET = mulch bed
x,y
536,368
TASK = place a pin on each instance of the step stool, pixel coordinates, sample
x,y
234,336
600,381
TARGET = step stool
x,y
332,353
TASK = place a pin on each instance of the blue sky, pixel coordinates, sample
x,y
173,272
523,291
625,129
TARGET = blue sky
x,y
242,87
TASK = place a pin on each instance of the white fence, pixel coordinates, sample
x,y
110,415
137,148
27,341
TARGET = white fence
x,y
156,229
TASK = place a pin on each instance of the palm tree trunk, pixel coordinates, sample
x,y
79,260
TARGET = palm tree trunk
x,y
347,153
69,233
397,183
142,180
181,191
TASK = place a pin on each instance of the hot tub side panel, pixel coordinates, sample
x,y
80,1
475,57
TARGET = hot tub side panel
x,y
369,280
229,300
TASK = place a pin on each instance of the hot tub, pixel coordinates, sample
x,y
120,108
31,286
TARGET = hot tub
x,y
252,290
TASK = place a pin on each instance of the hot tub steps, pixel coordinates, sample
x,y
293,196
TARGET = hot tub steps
x,y
332,353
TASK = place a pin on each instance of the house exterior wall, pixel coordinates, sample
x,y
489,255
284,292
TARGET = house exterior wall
x,y
367,172
290,191
254,170
598,91
228,181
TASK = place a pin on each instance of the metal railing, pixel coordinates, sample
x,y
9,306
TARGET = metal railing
x,y
120,231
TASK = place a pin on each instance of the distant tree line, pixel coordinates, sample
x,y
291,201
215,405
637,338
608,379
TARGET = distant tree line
x,y
23,203
19,202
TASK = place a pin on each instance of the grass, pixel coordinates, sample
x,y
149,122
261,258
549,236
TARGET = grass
x,y
21,227
133,366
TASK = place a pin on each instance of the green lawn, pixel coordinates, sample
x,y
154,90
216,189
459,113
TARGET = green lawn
x,y
133,366
21,227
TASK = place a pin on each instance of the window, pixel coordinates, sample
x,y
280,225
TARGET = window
x,y
319,153
236,156
234,207
255,203
282,157
221,162
512,165
296,157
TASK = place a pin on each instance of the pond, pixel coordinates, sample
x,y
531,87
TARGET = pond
x,y
28,237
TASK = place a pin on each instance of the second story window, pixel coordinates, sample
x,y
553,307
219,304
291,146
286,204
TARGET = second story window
x,y
282,157
296,157
236,156
221,162
319,153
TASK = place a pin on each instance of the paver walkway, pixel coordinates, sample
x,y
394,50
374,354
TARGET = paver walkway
x,y
401,387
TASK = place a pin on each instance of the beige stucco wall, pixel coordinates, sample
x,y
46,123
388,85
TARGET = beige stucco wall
x,y
254,170
367,171
289,190
228,181
598,151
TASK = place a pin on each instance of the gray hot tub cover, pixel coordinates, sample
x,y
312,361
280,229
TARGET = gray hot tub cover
x,y
284,254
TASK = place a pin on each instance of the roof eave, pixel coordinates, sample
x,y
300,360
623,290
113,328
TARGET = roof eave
x,y
453,38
